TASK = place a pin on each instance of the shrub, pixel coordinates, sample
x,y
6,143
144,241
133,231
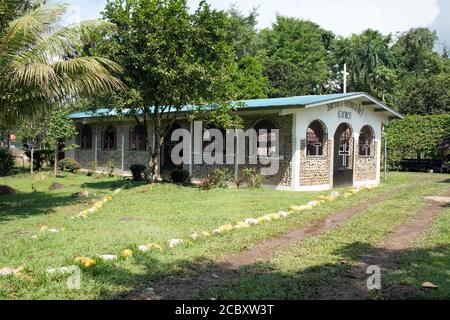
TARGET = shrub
x,y
110,166
6,162
93,168
180,176
219,177
69,165
206,184
166,176
41,156
415,135
138,170
252,177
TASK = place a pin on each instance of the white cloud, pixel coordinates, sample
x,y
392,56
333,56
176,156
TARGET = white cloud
x,y
343,17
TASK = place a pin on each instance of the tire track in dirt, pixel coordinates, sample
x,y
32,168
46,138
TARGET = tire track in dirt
x,y
183,288
385,255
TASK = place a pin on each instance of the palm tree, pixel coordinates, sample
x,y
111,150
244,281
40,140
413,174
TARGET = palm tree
x,y
40,65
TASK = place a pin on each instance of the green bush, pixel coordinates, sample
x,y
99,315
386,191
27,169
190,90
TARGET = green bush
x,y
6,162
110,166
138,170
69,165
252,177
180,176
219,177
415,135
41,156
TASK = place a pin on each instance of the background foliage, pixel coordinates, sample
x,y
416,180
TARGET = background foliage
x,y
417,134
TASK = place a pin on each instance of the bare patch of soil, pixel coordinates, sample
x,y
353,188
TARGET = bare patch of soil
x,y
385,255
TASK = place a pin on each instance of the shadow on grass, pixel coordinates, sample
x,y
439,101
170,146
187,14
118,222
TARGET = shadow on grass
x,y
113,184
342,280
23,205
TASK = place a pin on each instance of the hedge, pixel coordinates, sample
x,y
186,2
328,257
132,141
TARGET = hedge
x,y
409,137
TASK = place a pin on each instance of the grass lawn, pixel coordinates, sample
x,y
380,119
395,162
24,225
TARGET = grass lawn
x,y
428,260
314,269
141,214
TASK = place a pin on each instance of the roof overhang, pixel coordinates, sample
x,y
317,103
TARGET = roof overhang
x,y
368,101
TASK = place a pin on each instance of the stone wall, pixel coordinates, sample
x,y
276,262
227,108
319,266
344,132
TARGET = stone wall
x,y
284,175
315,170
86,157
366,166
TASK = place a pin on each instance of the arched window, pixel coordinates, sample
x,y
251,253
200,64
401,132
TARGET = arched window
x,y
86,137
315,139
266,132
137,138
366,138
110,138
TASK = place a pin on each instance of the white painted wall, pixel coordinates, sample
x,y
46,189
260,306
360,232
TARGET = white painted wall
x,y
304,116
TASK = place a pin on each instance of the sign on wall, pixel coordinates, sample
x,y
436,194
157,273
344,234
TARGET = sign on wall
x,y
357,107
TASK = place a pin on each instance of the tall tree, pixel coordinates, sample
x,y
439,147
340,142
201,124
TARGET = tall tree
x,y
369,58
414,51
297,57
242,33
173,59
60,128
424,74
39,66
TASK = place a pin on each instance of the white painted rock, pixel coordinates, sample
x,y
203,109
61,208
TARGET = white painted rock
x,y
312,204
251,221
58,270
143,248
53,230
429,285
283,214
174,242
108,257
194,236
335,194
9,271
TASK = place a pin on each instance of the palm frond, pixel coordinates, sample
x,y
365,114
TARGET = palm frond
x,y
39,64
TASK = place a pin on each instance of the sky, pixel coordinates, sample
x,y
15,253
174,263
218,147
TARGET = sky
x,y
343,17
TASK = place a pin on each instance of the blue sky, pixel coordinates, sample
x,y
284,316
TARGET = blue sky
x,y
343,17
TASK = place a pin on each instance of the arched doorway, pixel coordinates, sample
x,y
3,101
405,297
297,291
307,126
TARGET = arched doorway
x,y
343,156
168,145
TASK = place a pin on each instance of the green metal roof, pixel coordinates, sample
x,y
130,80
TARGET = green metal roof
x,y
305,101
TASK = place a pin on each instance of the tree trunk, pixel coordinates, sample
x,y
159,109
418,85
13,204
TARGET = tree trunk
x,y
31,159
55,168
156,148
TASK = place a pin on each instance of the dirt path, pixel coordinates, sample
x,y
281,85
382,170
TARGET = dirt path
x,y
182,288
385,255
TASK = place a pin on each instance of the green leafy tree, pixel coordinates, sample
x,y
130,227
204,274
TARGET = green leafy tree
x,y
173,59
414,51
424,74
39,65
250,81
242,33
60,128
297,57
368,57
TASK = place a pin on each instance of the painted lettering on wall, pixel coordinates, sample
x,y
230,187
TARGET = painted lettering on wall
x,y
344,115
357,107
